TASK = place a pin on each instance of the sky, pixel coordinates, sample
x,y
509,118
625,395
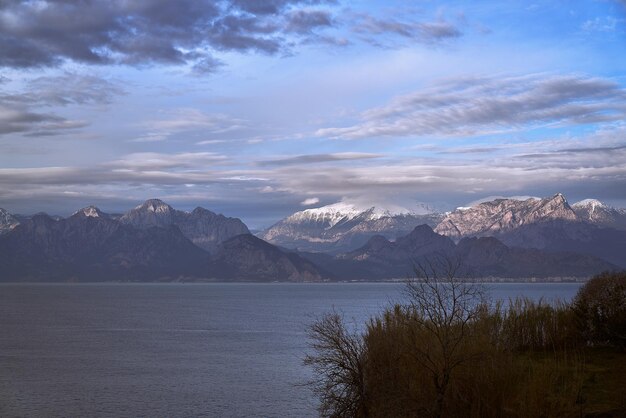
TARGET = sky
x,y
258,109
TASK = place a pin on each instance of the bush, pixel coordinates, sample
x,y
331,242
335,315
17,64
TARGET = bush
x,y
600,309
488,373
448,352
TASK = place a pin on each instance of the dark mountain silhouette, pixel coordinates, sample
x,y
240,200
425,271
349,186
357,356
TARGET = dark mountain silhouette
x,y
156,242
477,257
204,228
248,258
579,237
87,248
93,246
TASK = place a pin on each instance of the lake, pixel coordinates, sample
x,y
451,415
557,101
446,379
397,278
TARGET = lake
x,y
175,350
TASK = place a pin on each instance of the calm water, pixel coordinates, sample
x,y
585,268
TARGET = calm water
x,y
218,350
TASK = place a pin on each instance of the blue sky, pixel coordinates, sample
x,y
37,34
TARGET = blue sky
x,y
259,109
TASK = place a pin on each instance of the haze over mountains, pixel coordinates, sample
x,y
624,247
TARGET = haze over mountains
x,y
500,238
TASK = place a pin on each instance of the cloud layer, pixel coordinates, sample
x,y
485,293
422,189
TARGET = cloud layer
x,y
47,33
477,106
27,110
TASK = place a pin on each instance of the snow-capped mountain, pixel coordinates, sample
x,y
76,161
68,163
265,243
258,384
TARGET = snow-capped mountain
x,y
601,214
204,228
152,212
345,226
91,212
501,215
7,221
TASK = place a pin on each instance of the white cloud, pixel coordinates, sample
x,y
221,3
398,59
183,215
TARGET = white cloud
x,y
310,201
186,120
481,105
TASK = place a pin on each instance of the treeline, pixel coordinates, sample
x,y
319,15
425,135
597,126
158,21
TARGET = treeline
x,y
450,352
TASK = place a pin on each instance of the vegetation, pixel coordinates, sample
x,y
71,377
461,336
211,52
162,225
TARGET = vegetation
x,y
600,309
449,352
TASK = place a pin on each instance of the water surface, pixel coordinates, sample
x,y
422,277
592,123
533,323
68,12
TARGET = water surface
x,y
218,350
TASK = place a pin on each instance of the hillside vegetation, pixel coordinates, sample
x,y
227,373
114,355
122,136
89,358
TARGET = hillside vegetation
x,y
450,352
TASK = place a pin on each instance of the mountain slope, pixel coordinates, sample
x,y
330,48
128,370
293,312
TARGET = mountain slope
x,y
343,227
7,221
579,237
248,258
477,257
487,256
595,212
95,248
204,228
501,215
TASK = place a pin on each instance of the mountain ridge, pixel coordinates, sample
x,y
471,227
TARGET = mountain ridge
x,y
153,241
204,228
342,227
91,245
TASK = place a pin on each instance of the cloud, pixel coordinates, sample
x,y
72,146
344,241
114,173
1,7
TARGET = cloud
x,y
420,31
66,89
21,111
605,24
593,165
319,158
469,150
305,21
451,181
576,158
21,119
188,119
160,161
48,33
212,142
310,201
475,106
206,65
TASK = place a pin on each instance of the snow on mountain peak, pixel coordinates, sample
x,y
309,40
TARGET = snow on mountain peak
x,y
330,213
89,211
155,205
589,203
346,211
493,198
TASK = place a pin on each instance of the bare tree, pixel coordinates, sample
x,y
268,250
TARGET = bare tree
x,y
442,308
438,318
338,363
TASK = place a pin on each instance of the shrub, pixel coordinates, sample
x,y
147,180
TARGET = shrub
x,y
447,352
600,309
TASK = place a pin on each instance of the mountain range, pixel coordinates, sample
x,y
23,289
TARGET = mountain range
x,y
587,227
204,228
343,227
153,241
380,258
